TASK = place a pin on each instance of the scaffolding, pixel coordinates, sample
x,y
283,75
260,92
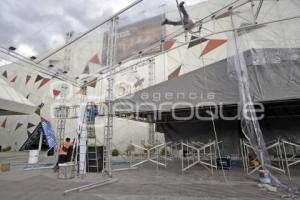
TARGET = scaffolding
x,y
293,159
204,154
152,155
278,158
108,129
195,153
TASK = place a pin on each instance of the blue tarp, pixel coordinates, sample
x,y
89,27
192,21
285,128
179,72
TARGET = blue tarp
x,y
49,134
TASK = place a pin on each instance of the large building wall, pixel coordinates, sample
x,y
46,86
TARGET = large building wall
x,y
85,57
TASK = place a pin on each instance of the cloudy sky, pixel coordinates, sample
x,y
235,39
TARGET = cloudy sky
x,y
37,26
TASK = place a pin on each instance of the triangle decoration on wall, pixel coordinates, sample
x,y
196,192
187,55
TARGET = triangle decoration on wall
x,y
56,92
44,81
95,59
175,73
14,79
169,44
194,41
5,74
38,78
30,125
211,45
43,119
3,125
86,70
93,83
18,126
28,77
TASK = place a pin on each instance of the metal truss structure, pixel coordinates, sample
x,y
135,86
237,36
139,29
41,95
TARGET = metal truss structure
x,y
277,158
199,153
293,159
152,155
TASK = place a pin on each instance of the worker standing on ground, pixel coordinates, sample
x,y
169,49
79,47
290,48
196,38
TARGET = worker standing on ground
x,y
63,153
186,21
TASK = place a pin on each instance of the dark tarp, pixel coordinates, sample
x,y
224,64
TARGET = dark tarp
x,y
229,132
274,76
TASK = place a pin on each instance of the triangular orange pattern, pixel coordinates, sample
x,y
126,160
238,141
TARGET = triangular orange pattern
x,y
93,83
175,73
44,81
14,79
95,59
211,45
55,92
28,77
18,126
169,44
3,125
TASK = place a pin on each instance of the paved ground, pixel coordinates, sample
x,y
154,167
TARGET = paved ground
x,y
147,182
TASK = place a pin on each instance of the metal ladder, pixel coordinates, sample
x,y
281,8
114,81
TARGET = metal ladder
x,y
106,156
91,154
82,138
61,115
92,151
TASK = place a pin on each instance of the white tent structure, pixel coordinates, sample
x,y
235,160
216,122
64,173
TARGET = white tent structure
x,y
12,102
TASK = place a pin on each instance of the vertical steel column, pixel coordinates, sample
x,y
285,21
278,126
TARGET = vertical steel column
x,y
151,80
151,133
108,132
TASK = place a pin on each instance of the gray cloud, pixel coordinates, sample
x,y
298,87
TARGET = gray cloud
x,y
41,24
34,22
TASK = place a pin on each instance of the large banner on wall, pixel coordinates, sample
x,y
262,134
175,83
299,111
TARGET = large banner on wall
x,y
135,37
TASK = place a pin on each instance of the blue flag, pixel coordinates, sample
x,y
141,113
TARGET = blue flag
x,y
49,134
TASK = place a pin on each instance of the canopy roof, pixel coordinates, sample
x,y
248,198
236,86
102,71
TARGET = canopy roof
x,y
12,102
273,78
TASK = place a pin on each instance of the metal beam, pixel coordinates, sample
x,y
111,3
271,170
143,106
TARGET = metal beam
x,y
258,9
91,30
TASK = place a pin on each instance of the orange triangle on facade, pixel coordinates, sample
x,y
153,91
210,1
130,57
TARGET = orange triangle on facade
x,y
44,81
28,77
93,83
18,126
95,59
211,45
175,73
55,92
3,125
14,79
169,44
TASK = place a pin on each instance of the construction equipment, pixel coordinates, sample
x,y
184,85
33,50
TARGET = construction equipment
x,y
90,154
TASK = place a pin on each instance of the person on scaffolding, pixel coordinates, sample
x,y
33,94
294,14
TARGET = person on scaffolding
x,y
92,113
185,21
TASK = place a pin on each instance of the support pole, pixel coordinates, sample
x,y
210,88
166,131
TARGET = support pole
x,y
151,133
108,132
40,143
